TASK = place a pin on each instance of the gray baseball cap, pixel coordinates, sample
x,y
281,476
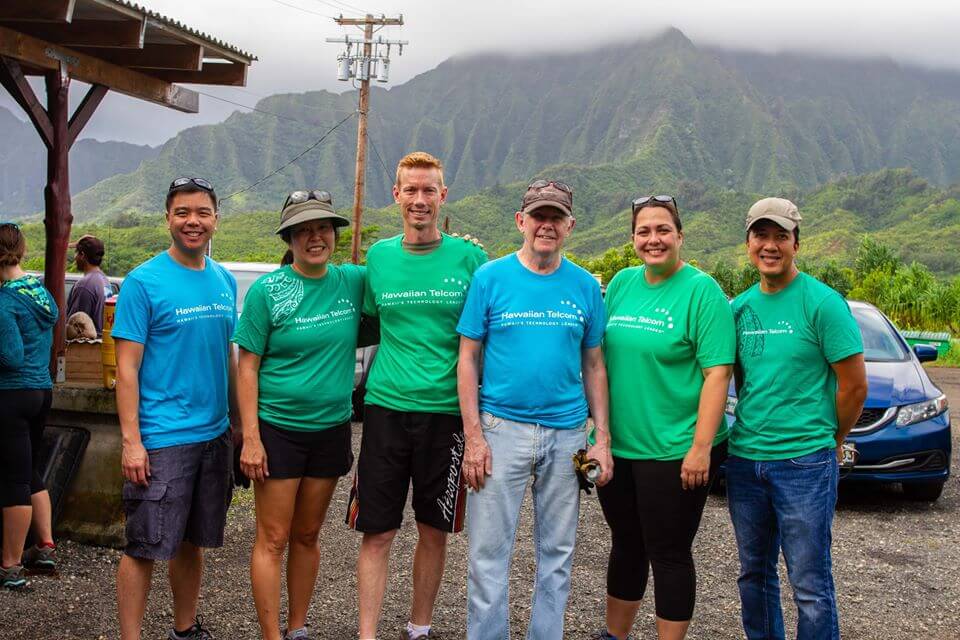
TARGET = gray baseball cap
x,y
777,210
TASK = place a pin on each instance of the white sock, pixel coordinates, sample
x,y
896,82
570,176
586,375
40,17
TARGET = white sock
x,y
416,630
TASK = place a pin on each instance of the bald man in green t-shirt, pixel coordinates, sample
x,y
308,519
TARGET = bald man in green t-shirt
x,y
412,430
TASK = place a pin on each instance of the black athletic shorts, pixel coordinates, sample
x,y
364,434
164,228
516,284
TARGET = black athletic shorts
x,y
398,447
307,454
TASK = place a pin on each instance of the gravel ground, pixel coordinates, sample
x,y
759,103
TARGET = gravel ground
x,y
897,567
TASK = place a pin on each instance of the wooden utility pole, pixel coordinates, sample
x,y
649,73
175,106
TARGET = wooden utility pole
x,y
368,23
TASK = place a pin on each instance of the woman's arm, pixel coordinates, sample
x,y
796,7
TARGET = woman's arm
x,y
695,470
253,457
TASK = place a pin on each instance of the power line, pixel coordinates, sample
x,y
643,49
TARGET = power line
x,y
294,159
382,164
293,6
276,115
350,8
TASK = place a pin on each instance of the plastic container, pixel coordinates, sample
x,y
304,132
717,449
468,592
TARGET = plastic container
x,y
108,351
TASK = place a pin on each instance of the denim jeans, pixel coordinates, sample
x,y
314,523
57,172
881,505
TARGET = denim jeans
x,y
520,451
785,504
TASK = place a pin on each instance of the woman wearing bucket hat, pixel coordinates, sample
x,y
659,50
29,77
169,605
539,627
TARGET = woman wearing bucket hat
x,y
297,338
672,323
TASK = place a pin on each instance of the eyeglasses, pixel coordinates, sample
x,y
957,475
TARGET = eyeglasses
x,y
540,184
644,201
200,182
298,197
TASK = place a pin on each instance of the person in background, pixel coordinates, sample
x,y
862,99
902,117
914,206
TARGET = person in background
x,y
669,347
801,382
297,339
89,294
176,374
27,316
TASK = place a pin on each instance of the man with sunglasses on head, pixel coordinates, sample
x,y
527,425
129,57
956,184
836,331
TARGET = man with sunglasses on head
x,y
537,319
412,430
175,380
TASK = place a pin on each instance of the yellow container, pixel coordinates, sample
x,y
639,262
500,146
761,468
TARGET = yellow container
x,y
108,351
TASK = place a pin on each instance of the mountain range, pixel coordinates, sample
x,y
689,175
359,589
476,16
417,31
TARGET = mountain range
x,y
23,164
655,112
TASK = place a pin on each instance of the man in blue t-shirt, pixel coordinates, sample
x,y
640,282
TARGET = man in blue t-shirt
x,y
538,321
175,373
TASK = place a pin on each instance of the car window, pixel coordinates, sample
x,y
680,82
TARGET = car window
x,y
244,280
880,341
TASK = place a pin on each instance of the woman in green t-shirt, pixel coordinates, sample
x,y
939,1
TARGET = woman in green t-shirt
x,y
669,347
297,338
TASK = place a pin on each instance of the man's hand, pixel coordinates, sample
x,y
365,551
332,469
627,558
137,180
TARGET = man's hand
x,y
695,470
468,238
253,460
135,464
477,462
601,453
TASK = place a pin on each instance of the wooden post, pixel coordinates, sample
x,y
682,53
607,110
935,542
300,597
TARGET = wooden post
x,y
360,175
58,217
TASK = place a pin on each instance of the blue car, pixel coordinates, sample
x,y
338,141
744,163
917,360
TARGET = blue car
x,y
903,433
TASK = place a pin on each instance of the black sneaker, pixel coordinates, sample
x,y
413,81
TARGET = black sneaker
x,y
604,635
13,577
430,635
196,632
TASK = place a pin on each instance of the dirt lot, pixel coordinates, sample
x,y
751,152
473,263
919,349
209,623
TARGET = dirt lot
x,y
897,567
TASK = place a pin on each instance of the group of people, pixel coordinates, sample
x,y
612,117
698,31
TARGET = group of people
x,y
490,377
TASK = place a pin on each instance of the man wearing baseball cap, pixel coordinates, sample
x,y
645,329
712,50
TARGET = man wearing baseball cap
x,y
801,384
89,293
537,319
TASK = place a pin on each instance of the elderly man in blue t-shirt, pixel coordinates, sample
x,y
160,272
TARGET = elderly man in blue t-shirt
x,y
175,373
538,321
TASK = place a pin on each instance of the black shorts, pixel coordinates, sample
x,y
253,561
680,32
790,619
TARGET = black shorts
x,y
307,454
400,446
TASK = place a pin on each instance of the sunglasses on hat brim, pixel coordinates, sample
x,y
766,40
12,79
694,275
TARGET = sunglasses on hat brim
x,y
300,196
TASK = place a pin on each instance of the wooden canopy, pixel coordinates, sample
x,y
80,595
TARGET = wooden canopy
x,y
111,45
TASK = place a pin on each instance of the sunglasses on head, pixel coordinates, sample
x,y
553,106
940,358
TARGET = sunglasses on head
x,y
11,224
540,184
200,182
298,197
647,201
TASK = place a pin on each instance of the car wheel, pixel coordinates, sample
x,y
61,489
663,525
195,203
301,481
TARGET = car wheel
x,y
923,491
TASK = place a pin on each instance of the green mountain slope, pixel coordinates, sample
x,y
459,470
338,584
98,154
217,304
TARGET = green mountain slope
x,y
663,109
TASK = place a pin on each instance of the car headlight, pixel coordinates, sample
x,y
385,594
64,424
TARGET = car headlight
x,y
913,413
731,405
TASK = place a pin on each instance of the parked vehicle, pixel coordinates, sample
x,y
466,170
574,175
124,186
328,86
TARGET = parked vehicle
x,y
71,278
246,273
903,433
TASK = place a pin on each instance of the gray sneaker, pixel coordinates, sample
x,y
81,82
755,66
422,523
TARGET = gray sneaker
x,y
196,632
40,559
428,636
298,634
13,577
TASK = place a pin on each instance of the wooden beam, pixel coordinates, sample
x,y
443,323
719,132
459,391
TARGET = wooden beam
x,y
234,74
83,113
184,57
85,33
37,10
95,71
13,80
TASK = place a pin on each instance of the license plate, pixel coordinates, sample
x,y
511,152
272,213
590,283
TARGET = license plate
x,y
849,454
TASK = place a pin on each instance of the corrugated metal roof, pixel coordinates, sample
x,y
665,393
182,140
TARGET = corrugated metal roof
x,y
176,24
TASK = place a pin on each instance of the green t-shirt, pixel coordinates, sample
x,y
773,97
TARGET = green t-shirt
x,y
418,298
786,342
659,338
305,330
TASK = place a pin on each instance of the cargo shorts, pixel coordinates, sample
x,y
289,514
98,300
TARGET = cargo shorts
x,y
186,499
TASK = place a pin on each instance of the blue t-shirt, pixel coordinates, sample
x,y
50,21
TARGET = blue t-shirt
x,y
184,319
534,328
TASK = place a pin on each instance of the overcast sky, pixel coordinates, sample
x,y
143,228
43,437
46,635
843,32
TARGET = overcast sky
x,y
294,56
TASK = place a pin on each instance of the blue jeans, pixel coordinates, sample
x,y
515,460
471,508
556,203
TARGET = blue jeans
x,y
520,451
785,504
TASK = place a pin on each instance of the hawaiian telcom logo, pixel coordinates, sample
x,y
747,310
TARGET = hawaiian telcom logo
x,y
573,306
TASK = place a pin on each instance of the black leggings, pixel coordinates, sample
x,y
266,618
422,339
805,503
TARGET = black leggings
x,y
23,413
653,521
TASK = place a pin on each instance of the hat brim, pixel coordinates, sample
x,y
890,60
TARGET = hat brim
x,y
312,210
542,204
781,221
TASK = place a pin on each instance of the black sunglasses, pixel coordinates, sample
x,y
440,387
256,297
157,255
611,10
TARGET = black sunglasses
x,y
298,197
644,201
200,182
540,184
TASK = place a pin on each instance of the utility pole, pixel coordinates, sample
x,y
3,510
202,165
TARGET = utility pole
x,y
362,67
